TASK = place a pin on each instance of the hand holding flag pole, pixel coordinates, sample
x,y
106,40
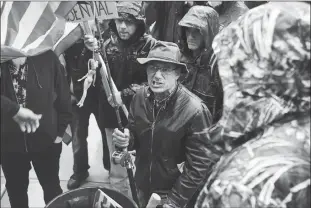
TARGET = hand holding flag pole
x,y
104,72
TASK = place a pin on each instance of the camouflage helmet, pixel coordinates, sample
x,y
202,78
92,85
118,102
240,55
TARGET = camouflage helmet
x,y
132,8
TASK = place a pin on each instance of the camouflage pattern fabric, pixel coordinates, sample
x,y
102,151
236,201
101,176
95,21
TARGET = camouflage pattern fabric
x,y
264,63
132,8
262,173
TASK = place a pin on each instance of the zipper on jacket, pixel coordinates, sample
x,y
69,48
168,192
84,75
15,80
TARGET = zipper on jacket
x,y
152,131
25,140
24,134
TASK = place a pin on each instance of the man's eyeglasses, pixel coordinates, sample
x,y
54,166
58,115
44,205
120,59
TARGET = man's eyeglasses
x,y
154,69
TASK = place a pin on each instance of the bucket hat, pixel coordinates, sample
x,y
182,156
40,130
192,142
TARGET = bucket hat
x,y
167,52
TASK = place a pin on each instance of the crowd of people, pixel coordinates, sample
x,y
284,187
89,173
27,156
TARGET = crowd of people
x,y
218,95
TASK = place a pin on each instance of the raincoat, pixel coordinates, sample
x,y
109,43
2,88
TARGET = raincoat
x,y
264,61
203,77
126,72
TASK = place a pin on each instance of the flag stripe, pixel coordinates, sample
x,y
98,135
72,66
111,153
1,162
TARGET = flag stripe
x,y
64,8
57,27
73,32
32,15
2,6
43,25
54,34
35,29
14,18
4,20
54,5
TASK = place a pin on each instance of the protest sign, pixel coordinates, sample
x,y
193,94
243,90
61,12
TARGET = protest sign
x,y
84,12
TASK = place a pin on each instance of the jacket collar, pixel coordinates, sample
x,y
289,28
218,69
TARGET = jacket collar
x,y
172,98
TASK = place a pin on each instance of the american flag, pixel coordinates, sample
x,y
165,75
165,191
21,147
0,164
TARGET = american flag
x,y
30,28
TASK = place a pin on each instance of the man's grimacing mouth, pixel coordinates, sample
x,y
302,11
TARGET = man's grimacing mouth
x,y
156,83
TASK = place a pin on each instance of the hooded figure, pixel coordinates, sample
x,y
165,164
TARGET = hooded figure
x,y
264,62
128,42
201,25
126,72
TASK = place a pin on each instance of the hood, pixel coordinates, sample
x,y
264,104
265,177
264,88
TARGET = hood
x,y
133,9
264,64
203,18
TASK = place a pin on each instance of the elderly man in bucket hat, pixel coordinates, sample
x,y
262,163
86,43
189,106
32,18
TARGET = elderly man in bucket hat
x,y
128,41
167,126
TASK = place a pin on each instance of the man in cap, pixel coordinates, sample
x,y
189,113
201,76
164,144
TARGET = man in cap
x,y
128,41
168,125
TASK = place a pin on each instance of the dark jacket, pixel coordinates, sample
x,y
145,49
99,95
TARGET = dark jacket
x,y
204,81
77,57
9,108
47,94
126,72
176,134
203,78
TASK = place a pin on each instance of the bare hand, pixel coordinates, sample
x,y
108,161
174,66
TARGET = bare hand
x,y
121,139
118,100
27,120
91,42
